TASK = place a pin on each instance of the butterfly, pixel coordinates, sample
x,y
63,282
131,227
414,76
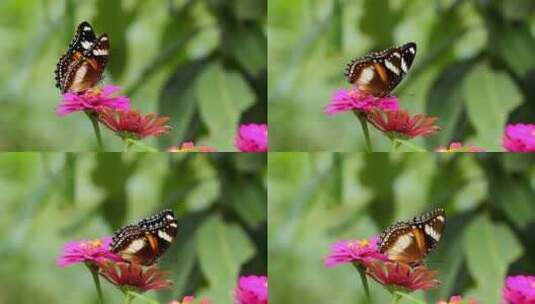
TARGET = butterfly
x,y
379,73
409,242
143,243
82,66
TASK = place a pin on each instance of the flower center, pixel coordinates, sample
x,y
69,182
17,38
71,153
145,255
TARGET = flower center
x,y
94,92
93,244
363,243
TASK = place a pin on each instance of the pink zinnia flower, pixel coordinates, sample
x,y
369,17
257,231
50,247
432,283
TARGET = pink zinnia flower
x,y
134,276
458,300
400,124
401,276
87,251
190,147
354,100
131,123
252,138
93,100
519,289
354,251
251,290
458,147
519,138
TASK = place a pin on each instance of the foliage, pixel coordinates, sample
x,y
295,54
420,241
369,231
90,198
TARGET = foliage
x,y
49,199
201,62
473,69
319,198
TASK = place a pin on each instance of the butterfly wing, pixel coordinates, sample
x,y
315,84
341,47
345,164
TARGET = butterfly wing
x,y
162,229
379,73
410,242
144,242
82,66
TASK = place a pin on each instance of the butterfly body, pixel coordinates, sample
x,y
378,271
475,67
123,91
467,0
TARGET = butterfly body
x,y
379,73
410,241
82,66
143,243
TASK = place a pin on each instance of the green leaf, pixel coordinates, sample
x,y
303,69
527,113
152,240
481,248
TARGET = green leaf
x,y
178,100
515,45
249,47
222,249
222,96
490,97
515,197
489,248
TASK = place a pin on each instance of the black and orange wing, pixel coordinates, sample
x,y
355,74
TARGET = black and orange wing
x,y
410,242
379,73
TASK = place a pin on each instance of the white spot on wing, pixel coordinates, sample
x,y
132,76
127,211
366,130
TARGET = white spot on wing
x,y
402,243
432,233
135,246
100,52
87,44
169,217
440,218
174,225
391,67
87,28
366,75
403,65
165,236
411,49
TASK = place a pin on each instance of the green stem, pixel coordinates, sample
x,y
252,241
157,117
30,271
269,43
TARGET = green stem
x,y
127,145
364,280
96,129
96,280
408,297
135,295
128,298
395,145
365,130
396,298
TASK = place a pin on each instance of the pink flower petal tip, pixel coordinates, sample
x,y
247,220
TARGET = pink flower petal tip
x,y
93,100
251,290
252,138
354,100
519,138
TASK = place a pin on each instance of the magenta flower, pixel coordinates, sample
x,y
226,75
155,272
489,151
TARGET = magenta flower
x,y
458,147
401,276
251,290
132,124
399,124
87,251
519,289
93,100
189,146
354,251
133,276
458,300
252,138
354,100
519,138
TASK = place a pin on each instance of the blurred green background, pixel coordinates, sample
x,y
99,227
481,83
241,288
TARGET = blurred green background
x,y
48,199
316,199
474,68
201,62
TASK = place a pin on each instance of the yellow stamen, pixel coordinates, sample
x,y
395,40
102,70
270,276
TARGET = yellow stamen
x,y
93,244
363,243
